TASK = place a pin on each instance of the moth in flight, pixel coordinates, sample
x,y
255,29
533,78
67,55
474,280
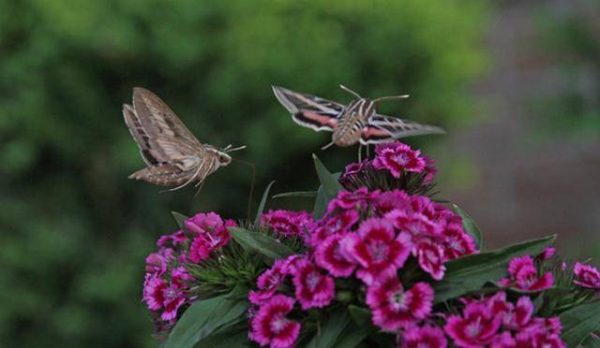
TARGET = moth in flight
x,y
173,155
357,122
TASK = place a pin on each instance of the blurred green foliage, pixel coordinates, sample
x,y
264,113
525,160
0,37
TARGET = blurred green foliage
x,y
75,231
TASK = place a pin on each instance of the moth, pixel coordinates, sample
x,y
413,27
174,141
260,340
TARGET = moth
x,y
357,122
173,155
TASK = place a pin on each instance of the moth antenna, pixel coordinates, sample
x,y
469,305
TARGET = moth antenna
x,y
403,96
251,194
199,185
327,146
350,91
230,148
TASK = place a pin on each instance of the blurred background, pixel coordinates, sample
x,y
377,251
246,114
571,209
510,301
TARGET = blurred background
x,y
515,83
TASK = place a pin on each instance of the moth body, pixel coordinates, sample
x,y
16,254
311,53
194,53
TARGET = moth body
x,y
352,121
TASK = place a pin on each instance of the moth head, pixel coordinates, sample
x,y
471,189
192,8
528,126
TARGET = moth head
x,y
224,159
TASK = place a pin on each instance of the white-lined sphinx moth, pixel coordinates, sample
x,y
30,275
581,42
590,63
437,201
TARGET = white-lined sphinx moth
x,y
357,122
173,155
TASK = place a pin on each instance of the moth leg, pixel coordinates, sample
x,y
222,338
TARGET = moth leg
x,y
359,153
185,183
368,151
199,185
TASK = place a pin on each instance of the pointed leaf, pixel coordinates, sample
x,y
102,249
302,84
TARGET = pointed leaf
x,y
202,318
579,322
260,243
328,181
471,272
263,202
301,194
470,226
353,335
228,336
320,203
361,316
329,334
179,218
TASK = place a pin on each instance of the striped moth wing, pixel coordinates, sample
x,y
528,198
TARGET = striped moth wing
x,y
171,152
308,110
383,129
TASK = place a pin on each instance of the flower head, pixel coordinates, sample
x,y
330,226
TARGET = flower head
x,y
377,249
397,157
477,326
270,325
287,223
423,337
524,275
393,307
586,276
330,255
313,288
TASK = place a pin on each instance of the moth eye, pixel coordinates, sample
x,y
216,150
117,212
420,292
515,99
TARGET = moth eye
x,y
224,159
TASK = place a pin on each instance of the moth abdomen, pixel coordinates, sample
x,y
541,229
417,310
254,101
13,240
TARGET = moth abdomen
x,y
162,174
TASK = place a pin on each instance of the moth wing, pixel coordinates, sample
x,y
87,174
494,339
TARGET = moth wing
x,y
164,174
308,110
168,137
141,137
382,129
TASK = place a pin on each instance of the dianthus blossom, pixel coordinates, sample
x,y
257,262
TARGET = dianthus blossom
x,y
523,275
271,327
586,276
287,223
397,157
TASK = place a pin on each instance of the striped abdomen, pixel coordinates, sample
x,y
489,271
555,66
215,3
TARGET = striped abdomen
x,y
352,121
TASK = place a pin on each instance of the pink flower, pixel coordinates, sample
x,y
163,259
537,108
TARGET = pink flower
x,y
476,328
547,254
335,224
430,170
355,168
269,281
153,292
287,223
586,276
393,308
423,337
174,239
377,249
524,275
389,200
313,289
457,242
351,199
431,258
397,157
158,262
416,224
330,256
504,340
539,339
270,326
158,294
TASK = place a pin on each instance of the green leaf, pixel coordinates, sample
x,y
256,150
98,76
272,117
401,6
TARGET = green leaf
x,y
591,342
331,331
320,203
179,218
228,336
301,194
470,226
361,316
353,335
263,202
470,273
579,322
260,243
328,181
202,318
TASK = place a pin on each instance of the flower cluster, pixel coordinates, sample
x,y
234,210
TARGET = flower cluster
x,y
499,323
167,280
368,236
397,160
287,223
